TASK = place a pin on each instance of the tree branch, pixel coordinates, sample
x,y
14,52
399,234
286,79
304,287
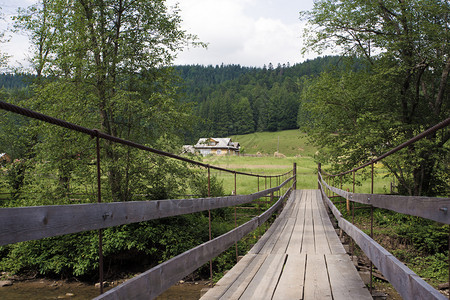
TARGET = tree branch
x,y
440,95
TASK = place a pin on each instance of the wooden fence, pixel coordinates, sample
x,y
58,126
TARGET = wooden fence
x,y
21,224
31,223
405,281
408,284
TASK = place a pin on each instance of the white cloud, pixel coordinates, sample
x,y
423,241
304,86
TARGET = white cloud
x,y
246,32
249,32
272,41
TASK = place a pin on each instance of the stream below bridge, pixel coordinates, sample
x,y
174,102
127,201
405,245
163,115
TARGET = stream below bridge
x,y
40,289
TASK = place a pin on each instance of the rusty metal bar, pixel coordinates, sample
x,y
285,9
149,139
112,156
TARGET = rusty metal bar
x,y
278,183
209,223
371,227
35,115
235,218
418,137
99,200
319,171
294,174
353,210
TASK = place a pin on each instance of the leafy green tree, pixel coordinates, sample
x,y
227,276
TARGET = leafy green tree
x,y
115,53
406,45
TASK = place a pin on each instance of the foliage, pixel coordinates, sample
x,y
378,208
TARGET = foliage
x,y
356,116
106,66
77,255
433,267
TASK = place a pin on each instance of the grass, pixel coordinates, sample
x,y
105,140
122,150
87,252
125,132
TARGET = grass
x,y
306,172
288,142
294,145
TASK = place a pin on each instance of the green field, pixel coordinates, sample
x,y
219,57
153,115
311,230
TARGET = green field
x,y
288,142
293,144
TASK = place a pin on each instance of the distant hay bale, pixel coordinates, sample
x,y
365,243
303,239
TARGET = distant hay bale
x,y
279,155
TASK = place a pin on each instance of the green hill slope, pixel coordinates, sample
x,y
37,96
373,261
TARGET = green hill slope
x,y
288,142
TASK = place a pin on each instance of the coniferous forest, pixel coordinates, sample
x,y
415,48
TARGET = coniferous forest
x,y
233,99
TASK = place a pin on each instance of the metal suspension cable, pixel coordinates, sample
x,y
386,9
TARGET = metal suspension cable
x,y
94,133
418,137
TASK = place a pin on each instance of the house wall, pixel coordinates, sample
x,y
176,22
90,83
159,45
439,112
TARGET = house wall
x,y
218,152
223,152
5,157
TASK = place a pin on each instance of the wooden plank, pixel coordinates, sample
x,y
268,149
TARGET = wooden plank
x,y
432,208
296,241
344,279
35,222
277,225
168,273
321,241
292,279
240,285
266,215
334,243
317,285
281,242
405,281
308,245
284,238
153,282
270,243
267,242
337,214
230,278
263,284
296,202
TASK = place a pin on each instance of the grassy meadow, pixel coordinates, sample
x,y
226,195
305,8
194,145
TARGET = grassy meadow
x,y
288,142
293,144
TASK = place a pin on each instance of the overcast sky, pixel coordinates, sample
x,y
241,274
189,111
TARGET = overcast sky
x,y
245,32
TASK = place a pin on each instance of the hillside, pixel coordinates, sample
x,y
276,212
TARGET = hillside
x,y
231,100
288,142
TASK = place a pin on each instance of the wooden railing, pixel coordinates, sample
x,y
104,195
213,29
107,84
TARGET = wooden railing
x,y
408,284
32,223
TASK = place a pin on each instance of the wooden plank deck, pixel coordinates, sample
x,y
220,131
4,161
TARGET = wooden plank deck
x,y
299,257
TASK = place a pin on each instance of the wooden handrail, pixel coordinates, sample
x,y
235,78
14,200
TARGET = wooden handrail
x,y
170,272
408,284
432,208
36,222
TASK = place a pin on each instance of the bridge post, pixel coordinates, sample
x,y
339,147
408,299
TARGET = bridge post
x,y
319,170
295,175
99,200
371,225
209,223
235,217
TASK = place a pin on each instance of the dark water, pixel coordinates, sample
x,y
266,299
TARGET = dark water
x,y
45,289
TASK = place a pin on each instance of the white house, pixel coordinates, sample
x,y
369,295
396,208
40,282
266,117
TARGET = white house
x,y
217,146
